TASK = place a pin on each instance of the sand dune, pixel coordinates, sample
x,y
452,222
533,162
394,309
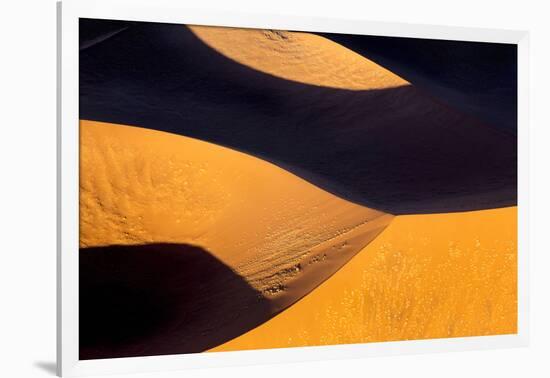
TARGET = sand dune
x,y
354,129
280,234
207,245
424,276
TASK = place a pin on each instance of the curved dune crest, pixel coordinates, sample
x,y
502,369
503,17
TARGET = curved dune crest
x,y
297,56
282,235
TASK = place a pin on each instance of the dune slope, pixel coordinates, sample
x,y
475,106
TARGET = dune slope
x,y
280,234
424,276
306,104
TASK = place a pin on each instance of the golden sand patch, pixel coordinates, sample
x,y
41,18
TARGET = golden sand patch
x,y
301,57
425,276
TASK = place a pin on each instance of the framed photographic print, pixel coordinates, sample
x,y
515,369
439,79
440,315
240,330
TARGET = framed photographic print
x,y
241,188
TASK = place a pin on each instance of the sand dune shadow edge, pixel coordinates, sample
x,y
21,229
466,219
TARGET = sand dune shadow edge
x,y
394,149
157,299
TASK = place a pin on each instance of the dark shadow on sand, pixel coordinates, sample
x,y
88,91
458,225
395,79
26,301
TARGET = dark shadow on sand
x,y
398,150
478,78
161,299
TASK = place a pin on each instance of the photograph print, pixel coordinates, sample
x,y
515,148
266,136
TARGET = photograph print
x,y
245,189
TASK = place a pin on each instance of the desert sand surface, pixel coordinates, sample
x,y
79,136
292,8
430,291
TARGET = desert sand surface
x,y
424,276
247,238
354,129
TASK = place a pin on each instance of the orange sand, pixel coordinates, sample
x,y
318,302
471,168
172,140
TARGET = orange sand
x,y
283,235
296,56
425,276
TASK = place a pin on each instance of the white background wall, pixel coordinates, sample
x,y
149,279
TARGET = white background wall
x,y
27,187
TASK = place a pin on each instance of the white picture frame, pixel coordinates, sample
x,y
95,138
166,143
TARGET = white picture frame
x,y
174,11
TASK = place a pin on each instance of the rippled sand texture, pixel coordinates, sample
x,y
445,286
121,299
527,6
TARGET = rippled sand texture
x,y
282,235
425,276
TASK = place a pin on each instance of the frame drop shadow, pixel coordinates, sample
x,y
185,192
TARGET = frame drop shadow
x,y
47,366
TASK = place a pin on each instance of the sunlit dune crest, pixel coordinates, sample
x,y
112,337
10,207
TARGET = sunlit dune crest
x,y
425,276
300,57
283,235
